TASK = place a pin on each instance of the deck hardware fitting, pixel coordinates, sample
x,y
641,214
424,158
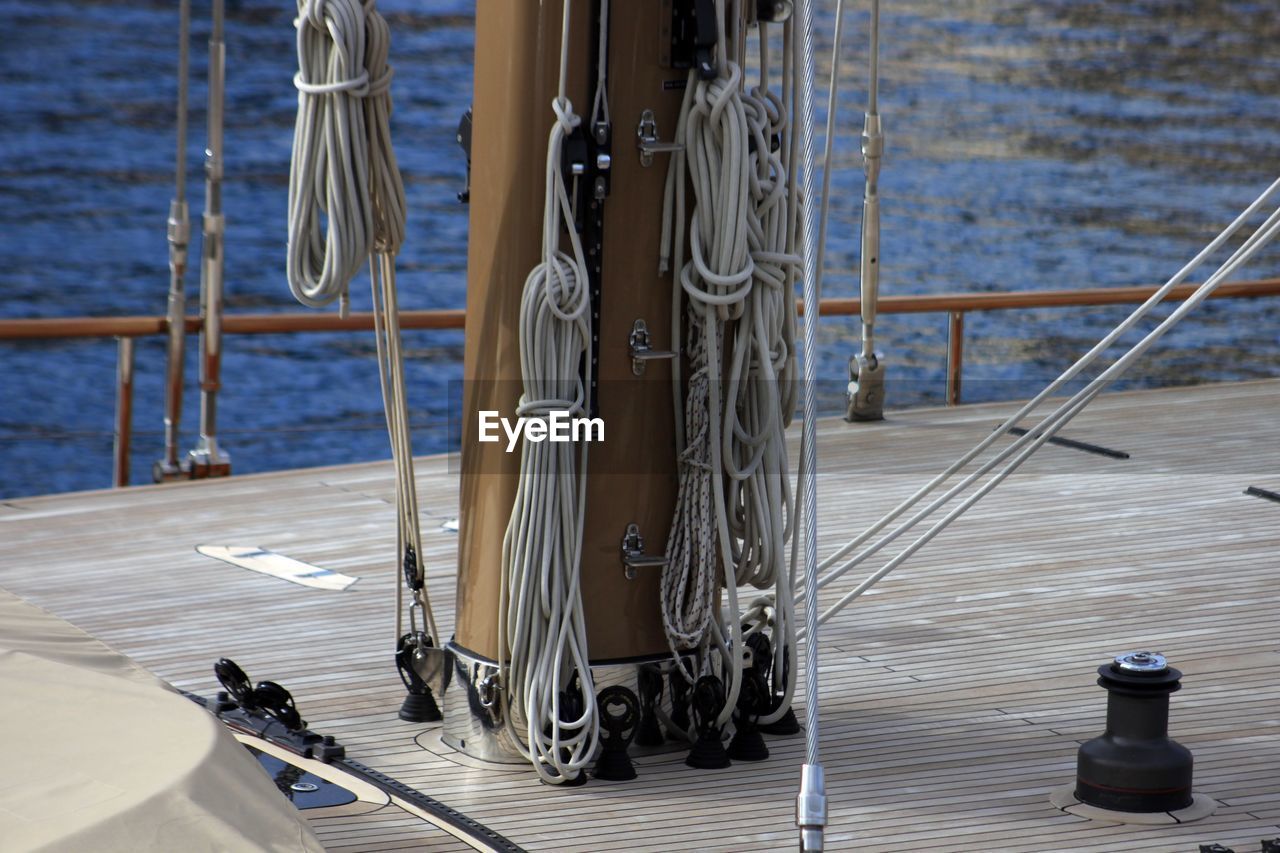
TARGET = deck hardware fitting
x,y
1076,445
642,351
1265,495
620,718
649,684
1134,766
633,555
754,699
488,690
327,749
421,666
866,388
647,140
706,702
463,137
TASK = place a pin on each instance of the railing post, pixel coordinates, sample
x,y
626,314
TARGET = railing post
x,y
955,355
124,411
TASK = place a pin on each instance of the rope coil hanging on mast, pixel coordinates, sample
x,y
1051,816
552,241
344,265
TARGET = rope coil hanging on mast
x,y
734,510
542,643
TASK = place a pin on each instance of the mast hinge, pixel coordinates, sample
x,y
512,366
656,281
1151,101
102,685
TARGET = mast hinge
x,y
642,351
647,140
633,555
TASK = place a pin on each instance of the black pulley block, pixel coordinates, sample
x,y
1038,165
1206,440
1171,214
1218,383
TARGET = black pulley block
x,y
1134,766
708,752
419,704
620,718
650,684
235,683
679,701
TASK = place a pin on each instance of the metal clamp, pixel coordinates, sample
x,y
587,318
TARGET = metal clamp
x,y
647,140
642,350
633,555
488,690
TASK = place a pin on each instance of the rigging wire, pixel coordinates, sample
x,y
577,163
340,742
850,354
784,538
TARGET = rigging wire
x,y
811,803
1038,435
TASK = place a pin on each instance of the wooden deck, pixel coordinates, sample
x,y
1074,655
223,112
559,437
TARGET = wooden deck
x,y
953,697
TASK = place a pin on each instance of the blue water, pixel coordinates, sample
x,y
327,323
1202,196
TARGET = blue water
x,y
1044,144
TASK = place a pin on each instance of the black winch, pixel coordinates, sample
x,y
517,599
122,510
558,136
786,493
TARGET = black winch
x,y
1134,766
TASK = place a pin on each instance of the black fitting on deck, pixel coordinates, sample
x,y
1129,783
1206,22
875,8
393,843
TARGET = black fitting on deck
x,y
419,704
1134,766
620,719
650,683
708,701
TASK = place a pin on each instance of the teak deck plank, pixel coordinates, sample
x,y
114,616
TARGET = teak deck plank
x,y
953,696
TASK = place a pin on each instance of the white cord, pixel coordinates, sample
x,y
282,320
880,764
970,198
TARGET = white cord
x,y
329,172
543,640
734,509
344,168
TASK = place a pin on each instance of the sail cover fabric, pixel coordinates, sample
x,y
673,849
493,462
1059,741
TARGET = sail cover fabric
x,y
100,755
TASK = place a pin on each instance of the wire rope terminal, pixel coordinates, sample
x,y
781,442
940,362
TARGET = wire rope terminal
x,y
866,388
811,808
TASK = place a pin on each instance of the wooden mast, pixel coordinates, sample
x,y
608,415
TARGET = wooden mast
x,y
632,474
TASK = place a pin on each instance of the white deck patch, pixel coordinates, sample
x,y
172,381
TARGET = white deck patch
x,y
278,566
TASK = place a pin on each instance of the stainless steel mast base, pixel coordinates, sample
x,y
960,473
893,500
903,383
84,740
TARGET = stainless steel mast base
x,y
474,721
473,718
866,388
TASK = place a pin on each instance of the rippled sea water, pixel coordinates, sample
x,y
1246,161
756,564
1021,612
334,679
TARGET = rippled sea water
x,y
1031,145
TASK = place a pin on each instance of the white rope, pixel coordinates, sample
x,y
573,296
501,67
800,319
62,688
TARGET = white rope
x,y
329,172
1024,446
734,508
344,170
543,642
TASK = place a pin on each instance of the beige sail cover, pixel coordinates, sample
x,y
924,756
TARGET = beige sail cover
x,y
100,755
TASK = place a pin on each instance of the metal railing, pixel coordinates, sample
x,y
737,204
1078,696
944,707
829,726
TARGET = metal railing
x,y
954,305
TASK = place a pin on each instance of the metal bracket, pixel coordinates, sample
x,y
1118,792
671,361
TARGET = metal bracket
x,y
642,351
463,137
866,389
633,555
647,140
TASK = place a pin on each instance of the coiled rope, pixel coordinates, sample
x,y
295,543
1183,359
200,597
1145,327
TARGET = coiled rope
x,y
329,175
344,174
543,643
734,508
